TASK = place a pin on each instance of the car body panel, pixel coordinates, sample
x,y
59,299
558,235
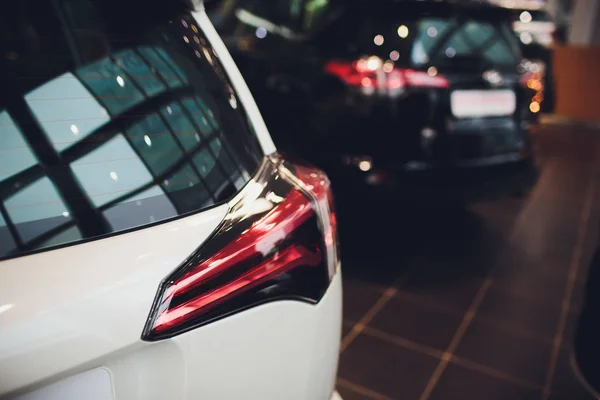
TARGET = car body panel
x,y
238,82
70,316
230,361
64,302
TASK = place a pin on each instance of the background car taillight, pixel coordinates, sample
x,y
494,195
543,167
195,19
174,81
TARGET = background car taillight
x,y
532,77
373,73
278,241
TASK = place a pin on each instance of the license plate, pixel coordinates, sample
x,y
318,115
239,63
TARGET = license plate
x,y
482,103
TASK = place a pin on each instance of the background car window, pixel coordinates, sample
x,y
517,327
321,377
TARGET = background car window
x,y
429,32
442,40
126,122
415,34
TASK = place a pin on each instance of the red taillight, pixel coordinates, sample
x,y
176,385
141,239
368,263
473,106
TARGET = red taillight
x,y
278,241
424,79
373,73
317,184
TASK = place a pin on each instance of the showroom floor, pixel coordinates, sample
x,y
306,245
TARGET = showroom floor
x,y
472,304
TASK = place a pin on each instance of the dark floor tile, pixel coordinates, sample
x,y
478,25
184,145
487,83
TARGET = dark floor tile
x,y
577,299
504,350
418,322
359,297
570,397
447,268
587,258
455,250
458,383
499,215
532,281
560,251
582,277
569,203
538,317
348,394
346,328
388,369
369,252
565,383
570,329
530,266
543,239
458,294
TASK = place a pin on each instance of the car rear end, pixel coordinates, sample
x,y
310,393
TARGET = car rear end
x,y
436,85
153,244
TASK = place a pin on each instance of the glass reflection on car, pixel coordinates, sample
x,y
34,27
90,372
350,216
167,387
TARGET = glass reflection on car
x,y
124,136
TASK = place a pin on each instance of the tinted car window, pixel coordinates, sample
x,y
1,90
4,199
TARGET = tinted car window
x,y
111,121
443,39
422,33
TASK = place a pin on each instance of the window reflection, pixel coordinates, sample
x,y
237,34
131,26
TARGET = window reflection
x,y
478,32
146,207
15,154
110,171
497,52
37,209
66,110
228,165
198,114
212,175
164,65
459,44
123,141
110,85
70,234
155,144
7,242
145,77
168,60
186,190
208,113
183,128
465,38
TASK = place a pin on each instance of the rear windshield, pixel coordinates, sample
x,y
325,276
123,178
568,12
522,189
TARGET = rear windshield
x,y
418,35
111,119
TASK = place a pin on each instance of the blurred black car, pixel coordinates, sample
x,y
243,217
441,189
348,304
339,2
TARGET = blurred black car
x,y
397,86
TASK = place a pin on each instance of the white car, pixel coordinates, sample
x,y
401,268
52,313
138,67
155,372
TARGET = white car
x,y
154,245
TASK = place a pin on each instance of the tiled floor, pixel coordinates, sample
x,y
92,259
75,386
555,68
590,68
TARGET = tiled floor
x,y
472,304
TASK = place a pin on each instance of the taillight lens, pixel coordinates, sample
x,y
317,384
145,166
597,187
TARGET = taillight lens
x,y
372,72
532,74
278,241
